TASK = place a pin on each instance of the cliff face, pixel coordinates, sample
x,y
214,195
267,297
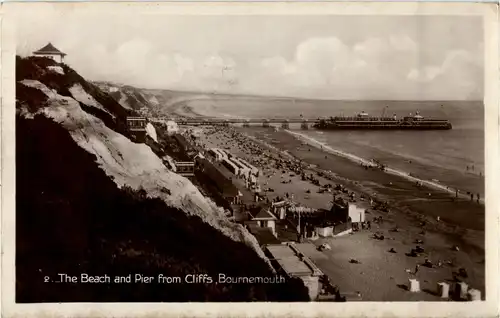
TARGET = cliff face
x,y
127,96
89,200
159,102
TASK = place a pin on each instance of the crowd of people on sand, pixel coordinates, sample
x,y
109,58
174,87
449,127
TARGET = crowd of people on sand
x,y
272,162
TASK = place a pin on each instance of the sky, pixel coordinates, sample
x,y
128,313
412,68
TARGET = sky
x,y
324,57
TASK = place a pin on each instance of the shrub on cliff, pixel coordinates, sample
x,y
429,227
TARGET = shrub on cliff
x,y
37,68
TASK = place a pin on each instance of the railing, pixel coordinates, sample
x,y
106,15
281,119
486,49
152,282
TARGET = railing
x,y
245,121
285,121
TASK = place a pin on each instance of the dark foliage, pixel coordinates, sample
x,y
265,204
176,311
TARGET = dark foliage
x,y
71,218
35,68
30,97
171,146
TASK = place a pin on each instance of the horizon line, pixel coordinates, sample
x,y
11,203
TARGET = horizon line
x,y
221,94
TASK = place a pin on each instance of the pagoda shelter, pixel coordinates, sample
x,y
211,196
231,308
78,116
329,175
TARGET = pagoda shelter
x,y
51,52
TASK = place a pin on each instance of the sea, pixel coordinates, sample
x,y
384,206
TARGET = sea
x,y
452,157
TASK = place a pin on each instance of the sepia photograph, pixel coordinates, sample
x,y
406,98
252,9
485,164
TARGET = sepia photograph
x,y
173,158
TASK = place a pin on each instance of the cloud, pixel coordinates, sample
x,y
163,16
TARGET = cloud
x,y
330,68
140,63
373,68
456,62
357,57
403,43
381,66
321,67
459,73
184,64
426,74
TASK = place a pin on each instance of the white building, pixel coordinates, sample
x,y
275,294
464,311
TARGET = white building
x,y
356,213
50,52
263,217
172,127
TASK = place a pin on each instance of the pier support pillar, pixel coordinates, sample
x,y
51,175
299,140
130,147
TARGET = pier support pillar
x,y
265,124
285,125
246,125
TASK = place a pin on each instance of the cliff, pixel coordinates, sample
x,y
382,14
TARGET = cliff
x,y
89,200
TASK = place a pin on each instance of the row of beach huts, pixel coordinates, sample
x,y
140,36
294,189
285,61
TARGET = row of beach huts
x,y
238,166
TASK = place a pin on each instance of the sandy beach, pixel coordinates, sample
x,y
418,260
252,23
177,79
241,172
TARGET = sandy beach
x,y
429,183
414,210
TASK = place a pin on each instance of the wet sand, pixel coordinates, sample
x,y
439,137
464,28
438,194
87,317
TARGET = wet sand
x,y
448,180
381,275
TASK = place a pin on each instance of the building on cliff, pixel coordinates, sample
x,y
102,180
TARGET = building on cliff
x,y
50,52
137,127
185,168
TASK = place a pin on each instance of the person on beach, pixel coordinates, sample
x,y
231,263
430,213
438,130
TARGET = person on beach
x,y
471,197
416,268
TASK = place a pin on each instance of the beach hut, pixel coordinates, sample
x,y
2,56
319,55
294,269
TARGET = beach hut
x,y
219,154
474,295
222,154
414,285
242,169
460,291
443,290
255,171
213,153
230,166
356,213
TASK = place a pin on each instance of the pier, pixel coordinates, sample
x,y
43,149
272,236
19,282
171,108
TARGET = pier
x,y
333,123
264,122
